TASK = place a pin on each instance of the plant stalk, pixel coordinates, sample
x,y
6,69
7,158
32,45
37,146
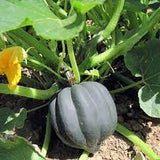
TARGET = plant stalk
x,y
73,60
114,20
123,47
30,92
14,40
126,87
31,41
138,142
109,28
39,107
57,9
84,155
126,80
47,136
46,67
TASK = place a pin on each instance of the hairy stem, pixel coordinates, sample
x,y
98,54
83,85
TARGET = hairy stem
x,y
39,107
123,47
30,92
137,141
15,40
73,60
84,155
57,9
125,80
31,41
109,28
47,136
126,87
46,67
114,20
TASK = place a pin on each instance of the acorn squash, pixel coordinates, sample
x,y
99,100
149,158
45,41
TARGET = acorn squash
x,y
84,115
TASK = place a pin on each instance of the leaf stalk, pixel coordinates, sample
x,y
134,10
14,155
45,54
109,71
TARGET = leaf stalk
x,y
30,92
137,141
73,61
123,47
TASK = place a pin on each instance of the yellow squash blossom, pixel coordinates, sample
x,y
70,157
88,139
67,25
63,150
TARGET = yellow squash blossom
x,y
10,60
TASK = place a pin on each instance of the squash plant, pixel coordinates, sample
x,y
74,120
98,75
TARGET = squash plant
x,y
77,41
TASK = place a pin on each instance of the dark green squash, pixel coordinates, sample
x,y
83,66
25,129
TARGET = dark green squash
x,y
84,115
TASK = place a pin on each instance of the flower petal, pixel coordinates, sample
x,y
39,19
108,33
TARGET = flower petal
x,y
10,59
12,55
13,75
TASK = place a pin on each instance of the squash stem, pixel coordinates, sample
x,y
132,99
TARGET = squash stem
x,y
125,80
46,67
47,136
38,107
84,155
31,41
30,92
137,141
114,20
57,9
126,87
123,47
73,61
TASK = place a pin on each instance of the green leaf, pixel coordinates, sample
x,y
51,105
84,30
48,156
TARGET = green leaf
x,y
85,5
18,13
17,148
144,62
9,120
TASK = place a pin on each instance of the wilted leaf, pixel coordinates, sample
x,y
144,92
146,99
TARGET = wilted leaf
x,y
17,148
144,62
9,120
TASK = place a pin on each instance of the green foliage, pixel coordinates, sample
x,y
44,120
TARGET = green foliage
x,y
17,148
14,148
144,62
2,43
85,5
77,40
15,14
10,120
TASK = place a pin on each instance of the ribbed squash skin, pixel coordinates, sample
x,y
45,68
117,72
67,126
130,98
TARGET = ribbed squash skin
x,y
84,115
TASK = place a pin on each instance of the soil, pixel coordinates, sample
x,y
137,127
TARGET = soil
x,y
116,147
